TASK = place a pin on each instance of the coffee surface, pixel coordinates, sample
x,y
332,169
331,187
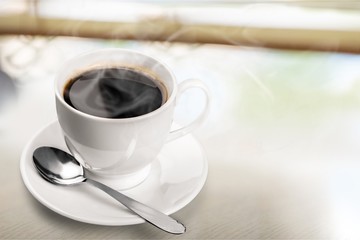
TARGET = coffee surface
x,y
114,93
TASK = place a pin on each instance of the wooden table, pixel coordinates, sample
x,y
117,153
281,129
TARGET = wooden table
x,y
282,142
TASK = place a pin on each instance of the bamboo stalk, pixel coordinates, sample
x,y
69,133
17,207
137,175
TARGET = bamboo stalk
x,y
170,31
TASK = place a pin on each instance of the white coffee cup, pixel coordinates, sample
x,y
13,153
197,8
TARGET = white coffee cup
x,y
120,151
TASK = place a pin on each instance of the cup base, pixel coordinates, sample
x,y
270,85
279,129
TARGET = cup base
x,y
121,182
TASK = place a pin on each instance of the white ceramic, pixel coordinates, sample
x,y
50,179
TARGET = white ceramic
x,y
176,177
121,149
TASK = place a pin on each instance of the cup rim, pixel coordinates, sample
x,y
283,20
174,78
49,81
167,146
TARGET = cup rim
x,y
168,102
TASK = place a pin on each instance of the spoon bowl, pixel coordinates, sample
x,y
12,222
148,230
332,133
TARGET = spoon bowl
x,y
57,166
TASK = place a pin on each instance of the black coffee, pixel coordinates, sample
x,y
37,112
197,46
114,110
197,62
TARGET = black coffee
x,y
114,93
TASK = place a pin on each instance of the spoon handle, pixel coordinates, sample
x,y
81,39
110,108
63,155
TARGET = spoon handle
x,y
149,214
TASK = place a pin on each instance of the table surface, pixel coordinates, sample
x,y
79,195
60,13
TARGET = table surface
x,y
282,140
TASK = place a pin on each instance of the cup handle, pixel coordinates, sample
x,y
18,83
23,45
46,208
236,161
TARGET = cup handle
x,y
182,87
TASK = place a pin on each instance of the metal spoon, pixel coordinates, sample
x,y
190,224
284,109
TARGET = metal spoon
x,y
59,167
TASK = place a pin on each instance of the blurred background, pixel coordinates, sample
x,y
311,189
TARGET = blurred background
x,y
283,135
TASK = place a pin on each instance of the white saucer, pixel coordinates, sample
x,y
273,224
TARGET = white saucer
x,y
176,177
